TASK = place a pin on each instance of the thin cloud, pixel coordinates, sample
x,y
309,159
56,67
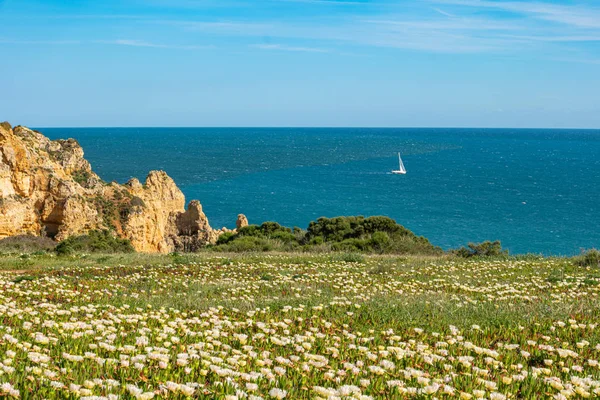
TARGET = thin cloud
x,y
142,43
329,2
571,38
440,11
465,24
435,36
42,42
282,47
574,15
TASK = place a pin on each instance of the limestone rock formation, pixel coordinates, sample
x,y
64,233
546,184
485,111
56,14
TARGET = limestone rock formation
x,y
241,222
48,188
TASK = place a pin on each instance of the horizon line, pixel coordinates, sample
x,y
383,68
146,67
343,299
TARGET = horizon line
x,y
305,127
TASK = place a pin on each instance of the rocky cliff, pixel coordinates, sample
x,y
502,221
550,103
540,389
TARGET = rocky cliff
x,y
48,188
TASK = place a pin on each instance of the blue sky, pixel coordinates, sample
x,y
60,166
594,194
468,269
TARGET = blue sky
x,y
460,63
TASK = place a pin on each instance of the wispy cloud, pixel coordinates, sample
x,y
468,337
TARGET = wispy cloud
x,y
142,43
575,15
440,26
447,14
40,42
116,42
445,36
557,39
445,26
328,2
283,47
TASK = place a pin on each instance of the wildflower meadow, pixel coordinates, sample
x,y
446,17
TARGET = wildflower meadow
x,y
299,327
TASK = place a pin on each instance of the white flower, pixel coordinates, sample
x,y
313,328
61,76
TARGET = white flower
x,y
277,393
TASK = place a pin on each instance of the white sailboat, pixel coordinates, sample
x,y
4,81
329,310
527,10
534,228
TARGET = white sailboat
x,y
401,170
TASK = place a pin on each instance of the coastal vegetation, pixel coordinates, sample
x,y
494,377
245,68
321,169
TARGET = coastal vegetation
x,y
370,235
590,258
378,234
94,242
297,326
483,249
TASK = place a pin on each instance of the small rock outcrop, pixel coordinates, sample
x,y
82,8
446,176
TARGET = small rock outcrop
x,y
47,188
241,222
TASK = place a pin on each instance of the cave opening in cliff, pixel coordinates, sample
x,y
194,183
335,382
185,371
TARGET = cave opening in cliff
x,y
50,229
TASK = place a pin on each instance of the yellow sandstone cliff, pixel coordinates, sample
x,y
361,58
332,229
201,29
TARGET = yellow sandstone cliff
x,y
48,188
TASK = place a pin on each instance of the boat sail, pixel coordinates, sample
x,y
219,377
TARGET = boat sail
x,y
401,170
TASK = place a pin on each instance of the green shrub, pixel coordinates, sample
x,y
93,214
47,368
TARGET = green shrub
x,y
108,209
483,249
351,245
23,278
345,234
82,177
285,237
269,228
317,240
590,258
340,228
94,242
26,244
250,230
349,257
225,238
380,241
246,244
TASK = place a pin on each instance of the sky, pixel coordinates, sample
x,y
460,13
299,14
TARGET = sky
x,y
380,63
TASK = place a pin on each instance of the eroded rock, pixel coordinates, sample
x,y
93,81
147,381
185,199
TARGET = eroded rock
x,y
48,188
241,222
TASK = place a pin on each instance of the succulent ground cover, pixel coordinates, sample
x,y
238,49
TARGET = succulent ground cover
x,y
299,327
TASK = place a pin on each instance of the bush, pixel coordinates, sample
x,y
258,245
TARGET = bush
x,y
483,249
590,258
23,278
380,242
82,177
285,237
225,238
340,228
351,245
250,230
94,242
246,244
349,257
347,234
26,244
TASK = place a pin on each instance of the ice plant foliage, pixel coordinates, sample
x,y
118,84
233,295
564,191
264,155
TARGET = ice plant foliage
x,y
302,330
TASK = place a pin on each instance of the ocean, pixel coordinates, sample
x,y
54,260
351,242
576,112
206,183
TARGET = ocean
x,y
537,191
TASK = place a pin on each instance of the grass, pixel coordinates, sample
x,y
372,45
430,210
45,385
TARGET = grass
x,y
227,326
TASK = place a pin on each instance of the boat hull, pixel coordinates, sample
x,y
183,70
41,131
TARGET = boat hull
x,y
399,172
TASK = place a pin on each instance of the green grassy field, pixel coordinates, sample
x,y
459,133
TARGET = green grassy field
x,y
329,326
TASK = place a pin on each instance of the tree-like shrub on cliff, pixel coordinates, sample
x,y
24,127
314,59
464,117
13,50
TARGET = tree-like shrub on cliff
x,y
82,177
483,249
94,242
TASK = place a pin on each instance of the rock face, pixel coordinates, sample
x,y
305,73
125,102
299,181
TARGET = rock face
x,y
241,222
48,188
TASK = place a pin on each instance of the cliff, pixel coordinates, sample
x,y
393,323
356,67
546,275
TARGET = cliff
x,y
48,188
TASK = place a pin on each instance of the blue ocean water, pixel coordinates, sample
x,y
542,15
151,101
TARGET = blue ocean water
x,y
535,190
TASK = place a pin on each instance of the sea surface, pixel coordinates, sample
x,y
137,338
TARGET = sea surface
x,y
538,191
